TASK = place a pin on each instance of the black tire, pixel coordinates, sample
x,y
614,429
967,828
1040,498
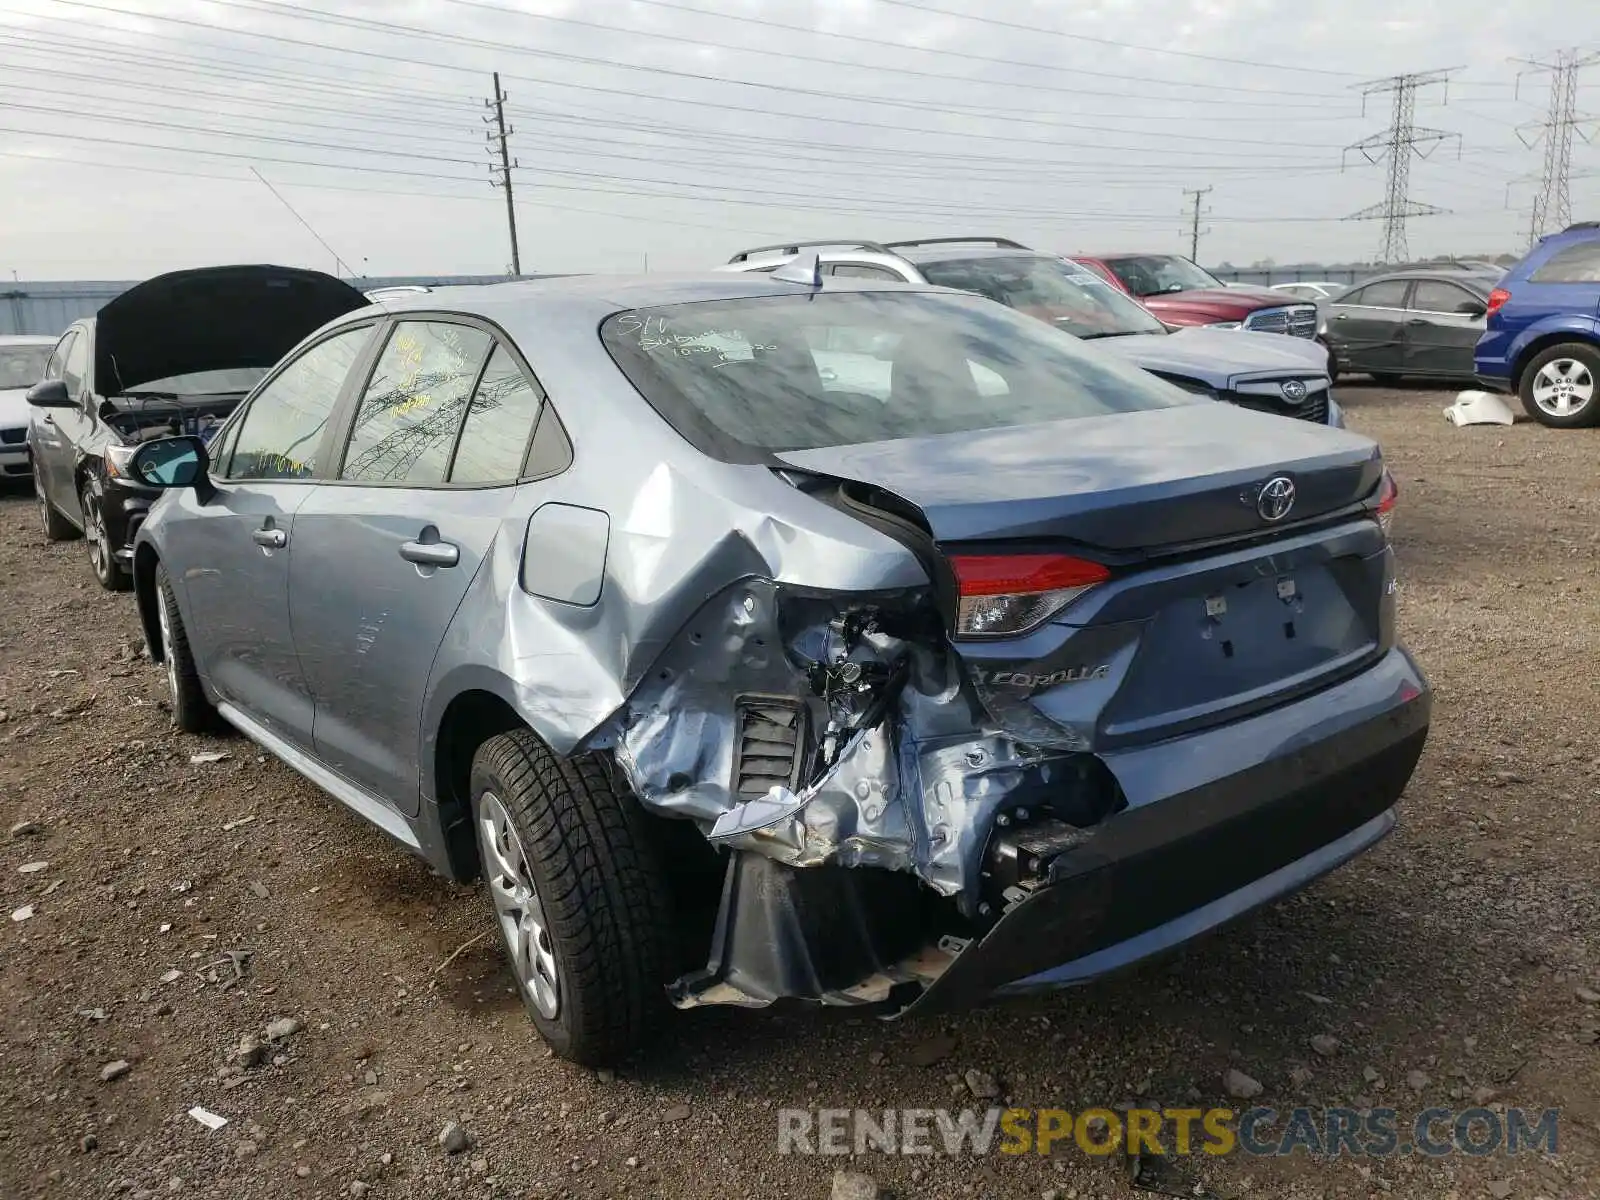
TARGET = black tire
x,y
606,922
1386,380
191,711
1333,361
111,574
1584,373
56,527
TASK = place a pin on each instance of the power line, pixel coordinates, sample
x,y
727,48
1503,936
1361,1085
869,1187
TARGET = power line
x,y
501,175
789,54
1398,144
1196,195
1081,37
1552,207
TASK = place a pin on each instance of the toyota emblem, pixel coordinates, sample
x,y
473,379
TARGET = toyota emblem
x,y
1276,498
1294,391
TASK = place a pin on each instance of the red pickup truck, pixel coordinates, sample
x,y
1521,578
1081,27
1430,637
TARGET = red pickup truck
x,y
1180,292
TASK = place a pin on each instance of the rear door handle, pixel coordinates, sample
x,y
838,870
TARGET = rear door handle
x,y
430,554
272,539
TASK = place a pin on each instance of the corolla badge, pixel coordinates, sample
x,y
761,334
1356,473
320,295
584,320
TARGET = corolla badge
x,y
1275,498
1294,391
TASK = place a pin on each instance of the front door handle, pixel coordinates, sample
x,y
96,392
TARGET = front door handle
x,y
430,554
272,539
1341,316
1417,321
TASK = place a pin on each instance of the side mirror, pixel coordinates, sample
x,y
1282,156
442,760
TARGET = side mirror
x,y
1472,308
177,462
50,393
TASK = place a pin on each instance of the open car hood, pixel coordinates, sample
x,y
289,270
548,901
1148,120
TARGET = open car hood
x,y
210,319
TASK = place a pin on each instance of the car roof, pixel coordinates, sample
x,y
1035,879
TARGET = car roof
x,y
598,296
1437,275
28,339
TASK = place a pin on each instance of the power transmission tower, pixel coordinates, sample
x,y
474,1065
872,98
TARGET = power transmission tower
x,y
1195,231
501,174
1398,144
1552,207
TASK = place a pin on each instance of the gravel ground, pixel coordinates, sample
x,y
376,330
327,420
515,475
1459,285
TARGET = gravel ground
x,y
1452,964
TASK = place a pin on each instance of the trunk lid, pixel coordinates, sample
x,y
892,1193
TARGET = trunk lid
x,y
1120,483
211,319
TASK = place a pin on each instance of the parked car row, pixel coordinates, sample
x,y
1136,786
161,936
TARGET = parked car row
x,y
813,633
1273,374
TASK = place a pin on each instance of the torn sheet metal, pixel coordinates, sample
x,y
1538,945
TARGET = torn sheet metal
x,y
895,761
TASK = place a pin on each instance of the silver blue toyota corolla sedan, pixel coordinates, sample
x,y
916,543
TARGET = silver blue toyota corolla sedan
x,y
742,673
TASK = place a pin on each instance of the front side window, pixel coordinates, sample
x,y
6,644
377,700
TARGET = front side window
x,y
742,379
1159,274
58,357
1579,263
282,432
76,365
406,425
1436,296
1065,294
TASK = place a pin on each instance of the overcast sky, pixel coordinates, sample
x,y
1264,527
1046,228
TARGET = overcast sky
x,y
680,131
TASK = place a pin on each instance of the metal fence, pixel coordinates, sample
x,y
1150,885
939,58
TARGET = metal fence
x,y
48,307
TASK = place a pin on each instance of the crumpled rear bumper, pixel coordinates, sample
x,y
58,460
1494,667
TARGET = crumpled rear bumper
x,y
1288,796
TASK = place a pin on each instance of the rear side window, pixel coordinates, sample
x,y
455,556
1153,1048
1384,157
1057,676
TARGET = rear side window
x,y
282,431
1578,263
742,379
499,422
1389,293
406,425
865,271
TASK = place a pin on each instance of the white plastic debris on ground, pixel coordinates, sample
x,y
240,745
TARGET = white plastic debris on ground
x,y
1479,408
207,1118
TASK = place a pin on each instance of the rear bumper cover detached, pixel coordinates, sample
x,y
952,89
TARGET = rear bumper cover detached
x,y
1283,798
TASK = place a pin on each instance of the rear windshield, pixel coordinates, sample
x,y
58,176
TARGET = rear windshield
x,y
1074,297
749,377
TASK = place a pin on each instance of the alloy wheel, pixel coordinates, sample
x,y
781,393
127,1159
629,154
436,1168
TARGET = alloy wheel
x,y
1563,387
94,530
164,620
44,505
517,906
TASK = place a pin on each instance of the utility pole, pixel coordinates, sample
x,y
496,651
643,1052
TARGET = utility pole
x,y
1194,221
1552,207
501,175
1398,144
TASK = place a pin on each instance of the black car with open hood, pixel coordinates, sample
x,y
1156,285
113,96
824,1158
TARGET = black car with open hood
x,y
174,354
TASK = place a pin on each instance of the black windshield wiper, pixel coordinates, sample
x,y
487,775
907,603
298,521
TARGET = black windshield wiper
x,y
1089,337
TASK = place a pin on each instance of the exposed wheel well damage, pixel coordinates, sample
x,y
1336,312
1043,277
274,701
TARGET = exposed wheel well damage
x,y
470,720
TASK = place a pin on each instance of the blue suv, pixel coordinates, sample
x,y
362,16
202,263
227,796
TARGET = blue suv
x,y
1542,337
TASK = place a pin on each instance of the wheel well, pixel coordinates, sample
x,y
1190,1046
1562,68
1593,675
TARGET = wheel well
x,y
694,869
1542,343
144,591
471,719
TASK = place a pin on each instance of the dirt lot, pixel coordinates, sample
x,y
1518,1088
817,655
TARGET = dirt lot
x,y
1452,964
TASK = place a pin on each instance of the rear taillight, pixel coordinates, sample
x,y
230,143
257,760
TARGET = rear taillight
x,y
1497,299
1388,497
1003,595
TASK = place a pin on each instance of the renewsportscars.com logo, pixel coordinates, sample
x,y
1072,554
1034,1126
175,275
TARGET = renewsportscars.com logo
x,y
1329,1132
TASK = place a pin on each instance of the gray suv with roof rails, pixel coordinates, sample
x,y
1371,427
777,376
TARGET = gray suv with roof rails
x,y
1266,372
